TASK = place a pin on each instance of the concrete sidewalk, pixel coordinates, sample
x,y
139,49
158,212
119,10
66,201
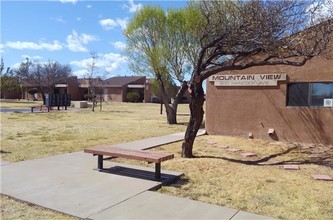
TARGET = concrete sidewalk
x,y
68,183
155,141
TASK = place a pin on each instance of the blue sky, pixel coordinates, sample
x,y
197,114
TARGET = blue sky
x,y
67,30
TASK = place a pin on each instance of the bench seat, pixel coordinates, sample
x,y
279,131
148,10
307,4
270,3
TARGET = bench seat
x,y
148,156
41,108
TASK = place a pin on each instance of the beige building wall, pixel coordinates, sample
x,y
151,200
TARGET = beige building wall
x,y
115,94
242,110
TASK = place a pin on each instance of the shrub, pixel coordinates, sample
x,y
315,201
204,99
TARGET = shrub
x,y
132,97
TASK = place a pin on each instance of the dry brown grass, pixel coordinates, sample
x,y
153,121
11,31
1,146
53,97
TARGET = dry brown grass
x,y
225,178
13,209
18,103
27,136
32,135
216,175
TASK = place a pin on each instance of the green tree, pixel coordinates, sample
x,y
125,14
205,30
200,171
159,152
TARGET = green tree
x,y
157,45
9,81
236,35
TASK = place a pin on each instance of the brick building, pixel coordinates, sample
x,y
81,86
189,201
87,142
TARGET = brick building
x,y
274,102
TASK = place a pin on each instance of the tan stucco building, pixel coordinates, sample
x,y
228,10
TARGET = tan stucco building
x,y
274,102
114,89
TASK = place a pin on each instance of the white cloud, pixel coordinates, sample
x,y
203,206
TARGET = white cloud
x,y
1,48
132,7
119,45
32,57
68,1
16,66
80,73
88,6
319,12
76,42
59,19
122,23
19,45
109,63
110,24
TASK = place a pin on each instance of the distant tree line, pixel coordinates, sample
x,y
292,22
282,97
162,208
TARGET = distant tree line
x,y
43,76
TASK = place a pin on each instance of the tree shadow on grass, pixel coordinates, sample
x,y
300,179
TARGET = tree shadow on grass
x,y
5,152
263,161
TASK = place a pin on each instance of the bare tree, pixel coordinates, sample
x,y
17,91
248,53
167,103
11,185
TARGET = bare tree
x,y
44,76
95,77
236,35
92,79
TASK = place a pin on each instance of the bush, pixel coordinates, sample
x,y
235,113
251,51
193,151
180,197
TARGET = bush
x,y
132,97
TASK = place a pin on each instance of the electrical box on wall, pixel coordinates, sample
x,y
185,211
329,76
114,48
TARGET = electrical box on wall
x,y
328,102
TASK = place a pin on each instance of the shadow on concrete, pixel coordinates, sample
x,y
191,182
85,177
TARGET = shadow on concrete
x,y
141,174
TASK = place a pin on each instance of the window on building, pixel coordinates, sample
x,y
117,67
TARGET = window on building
x,y
320,92
298,94
309,94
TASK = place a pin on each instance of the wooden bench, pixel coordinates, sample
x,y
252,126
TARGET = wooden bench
x,y
41,108
151,157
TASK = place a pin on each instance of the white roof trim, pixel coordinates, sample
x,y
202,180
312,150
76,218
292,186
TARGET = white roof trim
x,y
61,85
136,86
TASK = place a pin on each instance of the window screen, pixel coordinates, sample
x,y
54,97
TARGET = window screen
x,y
298,94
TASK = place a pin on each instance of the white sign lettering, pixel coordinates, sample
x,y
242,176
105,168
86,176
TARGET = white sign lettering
x,y
248,80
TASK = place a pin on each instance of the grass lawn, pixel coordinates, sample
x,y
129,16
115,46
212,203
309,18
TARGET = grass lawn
x,y
21,103
217,175
27,136
225,178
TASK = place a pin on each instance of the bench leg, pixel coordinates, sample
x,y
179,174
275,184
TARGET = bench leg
x,y
100,162
157,170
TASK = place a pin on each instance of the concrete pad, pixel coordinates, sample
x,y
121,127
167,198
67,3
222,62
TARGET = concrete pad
x,y
322,177
291,167
153,205
68,183
4,163
248,154
149,143
249,216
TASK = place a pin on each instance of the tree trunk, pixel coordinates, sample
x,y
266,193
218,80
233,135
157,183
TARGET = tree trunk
x,y
197,112
171,114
